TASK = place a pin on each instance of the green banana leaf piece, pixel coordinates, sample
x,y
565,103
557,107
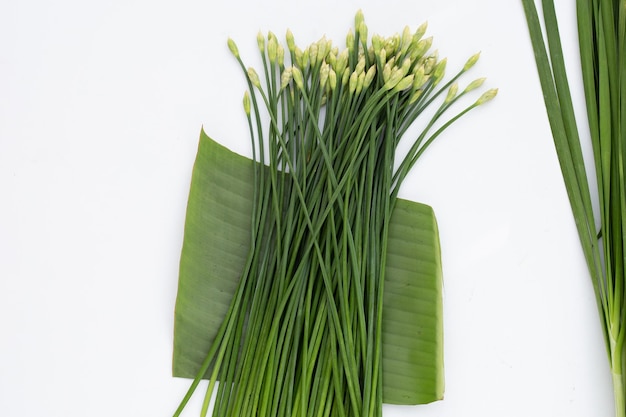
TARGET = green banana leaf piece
x,y
215,246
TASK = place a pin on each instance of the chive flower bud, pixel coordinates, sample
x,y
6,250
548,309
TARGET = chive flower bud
x,y
254,77
416,94
297,77
324,70
305,58
439,71
360,66
406,66
382,57
286,78
291,43
272,47
342,62
474,85
246,102
404,83
487,95
332,59
358,18
394,79
389,47
354,78
454,88
406,40
313,54
322,49
345,77
298,57
362,32
420,77
332,79
377,43
471,61
280,55
429,64
387,69
392,43
421,30
260,40
359,83
421,48
233,47
350,41
369,77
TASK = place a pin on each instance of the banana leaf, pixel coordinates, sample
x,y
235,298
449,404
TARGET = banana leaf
x,y
215,246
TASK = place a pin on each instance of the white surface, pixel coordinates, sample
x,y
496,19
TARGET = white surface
x,y
101,104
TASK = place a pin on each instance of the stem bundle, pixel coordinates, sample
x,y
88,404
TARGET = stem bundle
x,y
602,41
302,335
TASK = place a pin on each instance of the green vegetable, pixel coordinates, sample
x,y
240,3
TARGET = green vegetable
x,y
304,331
216,246
602,41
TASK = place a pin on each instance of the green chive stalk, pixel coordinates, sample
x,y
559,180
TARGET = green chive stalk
x,y
602,42
303,333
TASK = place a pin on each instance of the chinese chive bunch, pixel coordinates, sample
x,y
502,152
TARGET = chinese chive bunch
x,y
302,335
602,43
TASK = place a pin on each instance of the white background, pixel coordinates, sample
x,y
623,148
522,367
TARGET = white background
x,y
101,105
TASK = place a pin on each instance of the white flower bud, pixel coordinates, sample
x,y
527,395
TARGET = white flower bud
x,y
286,78
345,77
369,77
280,55
416,94
439,71
324,71
298,57
421,48
291,43
332,79
406,66
406,40
471,61
358,18
246,102
272,47
260,40
313,54
454,88
322,49
342,62
487,95
233,47
474,85
360,66
404,83
359,83
354,78
362,32
350,40
297,77
420,77
254,77
394,79
421,30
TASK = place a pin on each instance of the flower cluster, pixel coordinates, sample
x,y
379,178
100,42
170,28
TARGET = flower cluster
x,y
401,63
